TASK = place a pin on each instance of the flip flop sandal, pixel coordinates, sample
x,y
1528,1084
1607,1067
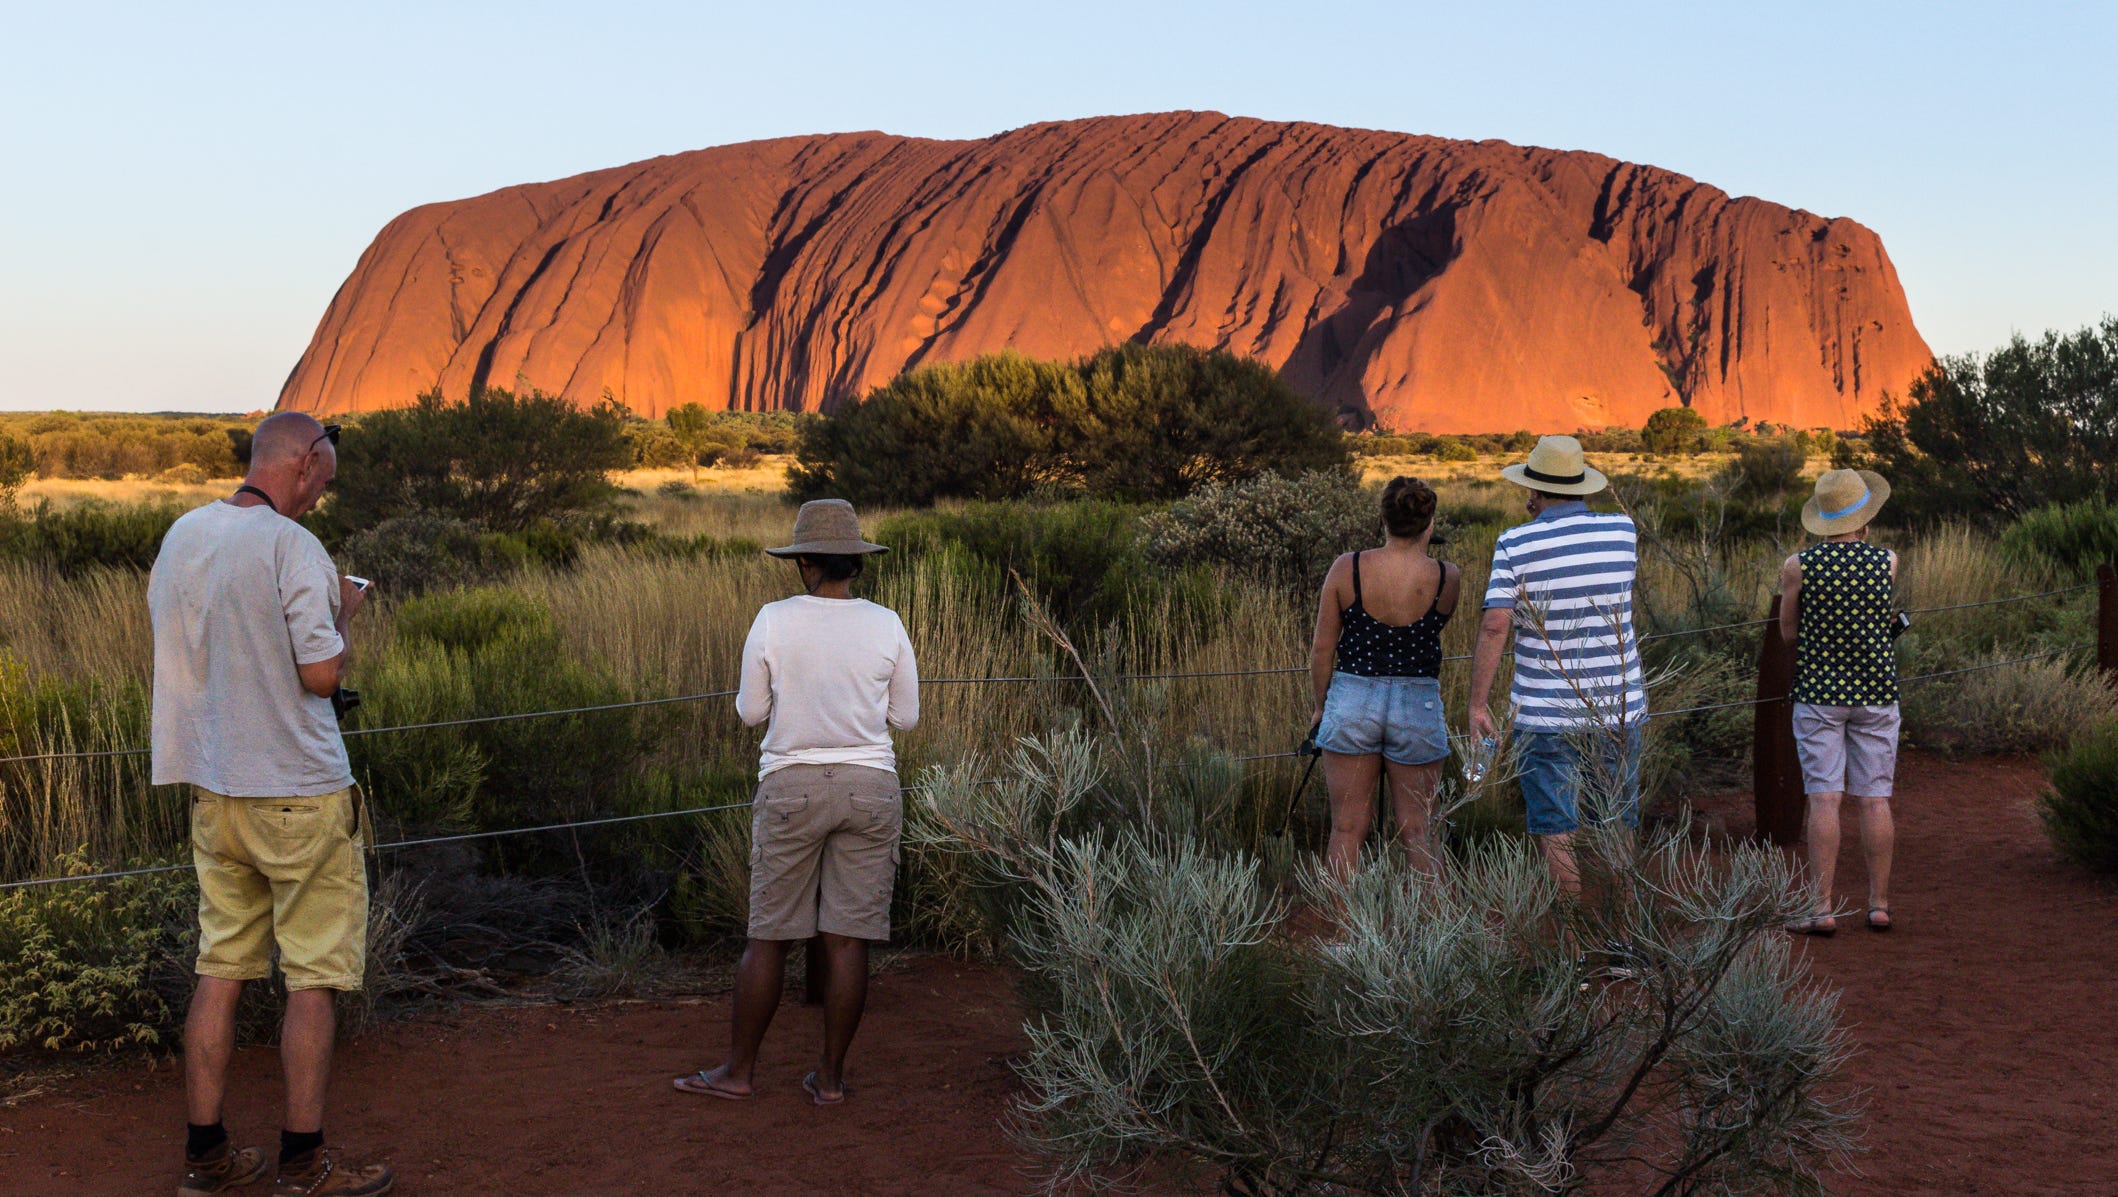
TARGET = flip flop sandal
x,y
1813,926
1875,926
702,1085
817,1095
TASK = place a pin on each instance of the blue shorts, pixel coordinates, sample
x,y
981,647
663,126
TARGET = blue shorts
x,y
1399,717
1553,779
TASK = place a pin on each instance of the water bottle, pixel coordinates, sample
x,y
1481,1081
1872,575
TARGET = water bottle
x,y
1475,766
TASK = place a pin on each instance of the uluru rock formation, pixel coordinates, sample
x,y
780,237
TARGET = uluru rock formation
x,y
1411,283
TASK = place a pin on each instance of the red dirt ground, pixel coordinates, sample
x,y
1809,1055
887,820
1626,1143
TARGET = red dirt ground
x,y
1984,1024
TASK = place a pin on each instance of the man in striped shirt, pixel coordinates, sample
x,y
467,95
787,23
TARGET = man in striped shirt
x,y
1562,585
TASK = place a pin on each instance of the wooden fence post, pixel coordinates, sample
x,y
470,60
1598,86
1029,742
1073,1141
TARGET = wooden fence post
x,y
1776,773
2107,623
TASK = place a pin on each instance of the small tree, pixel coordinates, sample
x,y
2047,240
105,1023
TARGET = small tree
x,y
2002,434
497,459
691,424
17,463
1673,430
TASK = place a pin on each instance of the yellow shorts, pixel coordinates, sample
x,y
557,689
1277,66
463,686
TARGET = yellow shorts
x,y
282,871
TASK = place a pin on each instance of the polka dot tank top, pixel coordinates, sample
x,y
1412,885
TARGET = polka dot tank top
x,y
1844,655
1368,647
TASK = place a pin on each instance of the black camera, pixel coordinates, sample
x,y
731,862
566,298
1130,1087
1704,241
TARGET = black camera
x,y
342,701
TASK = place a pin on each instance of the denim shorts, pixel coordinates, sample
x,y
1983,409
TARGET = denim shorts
x,y
1552,777
1399,717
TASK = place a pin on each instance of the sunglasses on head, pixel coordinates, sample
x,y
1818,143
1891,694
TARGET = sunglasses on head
x,y
330,433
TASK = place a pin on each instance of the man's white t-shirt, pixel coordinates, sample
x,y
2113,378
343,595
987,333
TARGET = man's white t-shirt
x,y
833,676
240,597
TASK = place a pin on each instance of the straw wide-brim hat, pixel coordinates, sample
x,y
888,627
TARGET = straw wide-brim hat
x,y
1845,500
827,527
1557,467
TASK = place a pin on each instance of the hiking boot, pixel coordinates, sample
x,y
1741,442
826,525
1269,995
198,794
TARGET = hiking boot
x,y
222,1170
318,1175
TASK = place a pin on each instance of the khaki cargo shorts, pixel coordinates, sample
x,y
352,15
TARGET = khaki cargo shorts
x,y
823,852
285,872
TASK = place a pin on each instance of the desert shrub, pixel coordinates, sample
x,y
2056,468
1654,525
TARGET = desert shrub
x,y
406,554
1767,467
1132,422
2074,537
2080,809
1286,530
1082,557
2031,707
489,651
88,535
1673,430
503,461
1450,448
77,962
1175,1025
2001,434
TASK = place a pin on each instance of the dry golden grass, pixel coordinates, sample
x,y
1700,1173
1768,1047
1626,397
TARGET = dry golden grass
x,y
72,492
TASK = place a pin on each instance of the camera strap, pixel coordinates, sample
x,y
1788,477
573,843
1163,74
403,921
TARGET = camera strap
x,y
247,489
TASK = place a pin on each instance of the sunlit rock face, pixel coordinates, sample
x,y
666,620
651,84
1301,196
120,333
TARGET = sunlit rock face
x,y
1409,283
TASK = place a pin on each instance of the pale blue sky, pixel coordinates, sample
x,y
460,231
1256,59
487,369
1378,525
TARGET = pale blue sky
x,y
185,186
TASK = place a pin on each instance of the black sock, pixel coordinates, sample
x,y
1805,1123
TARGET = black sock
x,y
293,1146
199,1140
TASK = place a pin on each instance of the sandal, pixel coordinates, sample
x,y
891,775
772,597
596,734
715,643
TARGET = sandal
x,y
1876,925
1823,926
816,1095
703,1083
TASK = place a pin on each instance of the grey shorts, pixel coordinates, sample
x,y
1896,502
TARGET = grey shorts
x,y
1847,750
823,852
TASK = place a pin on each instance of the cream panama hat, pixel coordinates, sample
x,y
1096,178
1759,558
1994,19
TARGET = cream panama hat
x,y
827,527
1557,467
1845,500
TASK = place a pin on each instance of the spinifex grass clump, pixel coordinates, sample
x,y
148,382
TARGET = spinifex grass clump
x,y
1475,1033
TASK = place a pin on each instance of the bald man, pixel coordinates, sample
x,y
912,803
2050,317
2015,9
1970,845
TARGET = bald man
x,y
250,642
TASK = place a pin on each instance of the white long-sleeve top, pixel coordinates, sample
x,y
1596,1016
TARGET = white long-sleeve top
x,y
833,676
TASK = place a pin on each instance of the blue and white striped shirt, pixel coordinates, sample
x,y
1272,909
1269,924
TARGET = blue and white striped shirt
x,y
1568,576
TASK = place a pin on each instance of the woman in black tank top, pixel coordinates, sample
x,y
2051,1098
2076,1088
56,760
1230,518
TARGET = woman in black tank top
x,y
1378,692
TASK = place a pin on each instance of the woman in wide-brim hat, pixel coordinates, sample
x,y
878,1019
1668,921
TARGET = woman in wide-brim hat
x,y
1838,602
832,675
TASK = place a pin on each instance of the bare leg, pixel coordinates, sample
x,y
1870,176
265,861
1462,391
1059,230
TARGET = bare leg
x,y
1878,843
209,1041
1411,804
845,997
759,979
1351,780
307,1033
1821,833
1558,851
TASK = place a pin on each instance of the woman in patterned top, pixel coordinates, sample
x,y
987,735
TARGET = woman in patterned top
x,y
1376,665
1837,606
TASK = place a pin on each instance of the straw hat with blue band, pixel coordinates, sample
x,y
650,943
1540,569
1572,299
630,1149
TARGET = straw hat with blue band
x,y
1845,501
1557,467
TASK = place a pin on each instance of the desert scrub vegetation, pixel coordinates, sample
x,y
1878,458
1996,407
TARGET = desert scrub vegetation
x,y
1453,1038
2080,809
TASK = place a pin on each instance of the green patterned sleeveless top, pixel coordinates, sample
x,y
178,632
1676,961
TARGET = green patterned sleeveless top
x,y
1844,655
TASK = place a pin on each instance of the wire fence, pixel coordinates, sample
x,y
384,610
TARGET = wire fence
x,y
956,681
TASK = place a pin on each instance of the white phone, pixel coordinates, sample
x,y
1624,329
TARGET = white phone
x,y
359,583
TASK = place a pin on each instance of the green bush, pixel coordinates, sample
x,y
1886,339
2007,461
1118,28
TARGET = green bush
x,y
1450,448
1993,436
2031,707
1673,430
2080,810
88,535
1767,467
502,461
1082,558
1133,422
17,462
78,962
2076,537
1285,530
